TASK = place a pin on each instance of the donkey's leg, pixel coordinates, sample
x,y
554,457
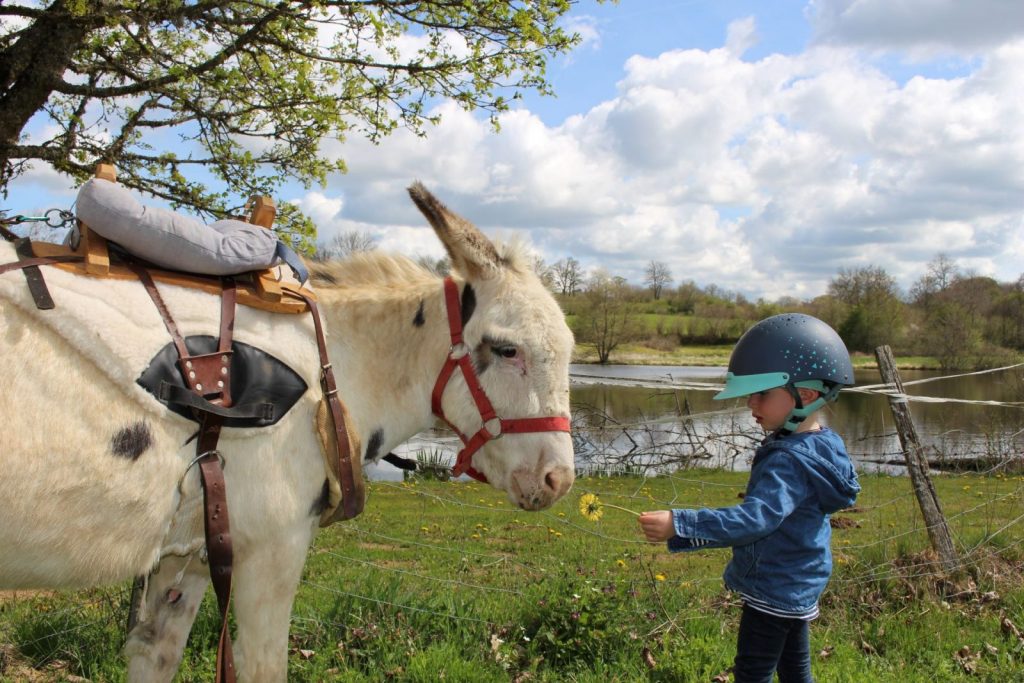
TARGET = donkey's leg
x,y
156,642
264,583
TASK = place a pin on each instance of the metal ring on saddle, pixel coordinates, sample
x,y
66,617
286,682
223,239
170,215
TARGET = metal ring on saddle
x,y
181,480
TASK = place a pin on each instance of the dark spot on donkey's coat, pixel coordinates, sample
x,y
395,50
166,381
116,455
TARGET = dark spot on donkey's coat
x,y
468,303
419,320
373,445
322,501
132,441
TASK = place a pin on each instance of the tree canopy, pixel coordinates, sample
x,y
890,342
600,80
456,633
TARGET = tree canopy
x,y
248,90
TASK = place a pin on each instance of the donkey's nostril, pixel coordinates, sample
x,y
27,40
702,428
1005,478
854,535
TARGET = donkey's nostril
x,y
558,480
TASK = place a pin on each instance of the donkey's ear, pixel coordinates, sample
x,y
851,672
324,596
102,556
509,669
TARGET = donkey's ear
x,y
472,254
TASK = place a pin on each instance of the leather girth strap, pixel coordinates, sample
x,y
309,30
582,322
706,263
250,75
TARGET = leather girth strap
x,y
208,376
353,494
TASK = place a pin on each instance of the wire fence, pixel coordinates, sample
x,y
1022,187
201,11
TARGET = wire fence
x,y
891,544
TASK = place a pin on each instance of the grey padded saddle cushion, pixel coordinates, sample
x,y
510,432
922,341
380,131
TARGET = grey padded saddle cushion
x,y
171,240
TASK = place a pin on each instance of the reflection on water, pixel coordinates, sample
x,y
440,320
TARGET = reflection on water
x,y
621,426
649,419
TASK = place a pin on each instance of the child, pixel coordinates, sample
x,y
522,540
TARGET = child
x,y
788,366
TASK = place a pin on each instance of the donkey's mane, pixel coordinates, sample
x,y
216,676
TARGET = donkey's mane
x,y
382,269
369,269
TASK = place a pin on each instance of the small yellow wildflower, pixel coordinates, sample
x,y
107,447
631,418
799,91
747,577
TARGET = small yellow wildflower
x,y
590,507
659,577
620,562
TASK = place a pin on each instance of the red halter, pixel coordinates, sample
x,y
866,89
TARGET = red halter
x,y
458,355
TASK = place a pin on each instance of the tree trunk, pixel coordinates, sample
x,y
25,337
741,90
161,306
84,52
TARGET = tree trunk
x,y
33,66
917,464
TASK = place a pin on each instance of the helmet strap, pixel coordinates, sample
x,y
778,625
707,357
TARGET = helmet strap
x,y
800,411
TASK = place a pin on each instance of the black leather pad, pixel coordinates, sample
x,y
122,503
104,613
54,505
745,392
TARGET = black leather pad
x,y
256,377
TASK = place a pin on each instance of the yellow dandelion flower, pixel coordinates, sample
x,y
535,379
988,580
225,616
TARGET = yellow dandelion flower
x,y
659,577
590,507
621,563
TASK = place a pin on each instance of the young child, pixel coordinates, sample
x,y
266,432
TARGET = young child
x,y
788,366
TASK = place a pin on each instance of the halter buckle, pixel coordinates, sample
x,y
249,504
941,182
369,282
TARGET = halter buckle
x,y
496,433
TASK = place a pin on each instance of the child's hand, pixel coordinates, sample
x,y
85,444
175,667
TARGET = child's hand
x,y
657,526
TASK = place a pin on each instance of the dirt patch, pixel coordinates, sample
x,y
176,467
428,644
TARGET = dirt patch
x,y
16,668
15,596
843,523
377,546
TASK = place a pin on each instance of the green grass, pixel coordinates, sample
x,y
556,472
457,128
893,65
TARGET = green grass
x,y
638,354
718,356
446,580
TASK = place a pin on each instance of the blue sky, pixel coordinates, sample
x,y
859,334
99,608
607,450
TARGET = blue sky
x,y
758,146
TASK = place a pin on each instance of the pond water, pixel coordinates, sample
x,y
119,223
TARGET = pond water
x,y
664,418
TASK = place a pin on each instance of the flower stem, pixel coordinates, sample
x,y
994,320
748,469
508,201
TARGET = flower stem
x,y
609,505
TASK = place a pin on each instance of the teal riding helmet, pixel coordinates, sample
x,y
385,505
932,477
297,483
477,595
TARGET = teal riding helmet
x,y
790,350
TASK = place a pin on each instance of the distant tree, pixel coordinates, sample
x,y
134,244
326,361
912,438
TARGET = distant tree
x,y
873,308
543,271
1010,312
952,335
346,243
941,273
605,318
567,276
440,266
179,93
959,319
684,299
657,276
713,291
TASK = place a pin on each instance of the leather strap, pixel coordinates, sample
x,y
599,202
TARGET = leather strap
x,y
352,504
161,307
38,261
219,551
33,276
172,393
208,375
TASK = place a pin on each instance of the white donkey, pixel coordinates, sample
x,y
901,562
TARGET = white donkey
x,y
96,484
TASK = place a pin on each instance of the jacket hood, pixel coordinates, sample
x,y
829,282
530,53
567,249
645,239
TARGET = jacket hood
x,y
829,468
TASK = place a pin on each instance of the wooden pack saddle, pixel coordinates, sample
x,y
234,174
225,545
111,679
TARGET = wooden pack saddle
x,y
263,289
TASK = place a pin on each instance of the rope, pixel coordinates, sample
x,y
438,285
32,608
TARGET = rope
x,y
883,389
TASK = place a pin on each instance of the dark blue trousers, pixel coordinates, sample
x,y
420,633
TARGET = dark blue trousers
x,y
767,644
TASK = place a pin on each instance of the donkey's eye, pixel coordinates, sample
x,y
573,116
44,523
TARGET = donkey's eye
x,y
505,350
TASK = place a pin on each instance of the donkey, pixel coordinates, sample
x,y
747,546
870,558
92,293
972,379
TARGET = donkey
x,y
97,485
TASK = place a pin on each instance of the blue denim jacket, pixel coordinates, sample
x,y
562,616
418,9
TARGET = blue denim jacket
x,y
780,533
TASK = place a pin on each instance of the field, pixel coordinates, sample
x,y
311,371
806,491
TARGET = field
x,y
445,581
718,356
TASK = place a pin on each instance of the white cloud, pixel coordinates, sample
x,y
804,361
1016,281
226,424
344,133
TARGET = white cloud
x,y
740,36
587,28
763,177
923,27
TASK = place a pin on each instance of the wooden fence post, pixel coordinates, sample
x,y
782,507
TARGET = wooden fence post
x,y
917,463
